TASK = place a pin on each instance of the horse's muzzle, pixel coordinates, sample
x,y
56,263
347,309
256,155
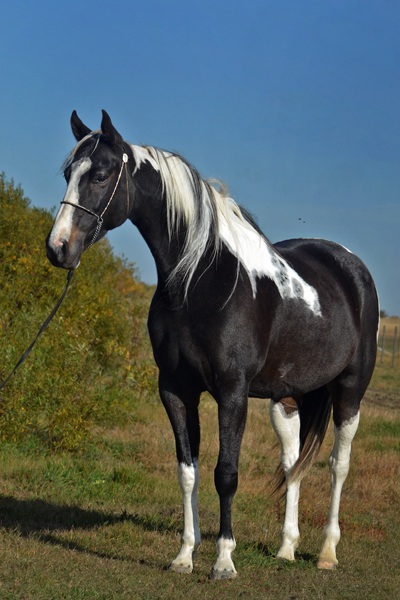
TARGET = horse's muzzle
x,y
59,255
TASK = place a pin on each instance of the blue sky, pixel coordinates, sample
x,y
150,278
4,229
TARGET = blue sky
x,y
294,104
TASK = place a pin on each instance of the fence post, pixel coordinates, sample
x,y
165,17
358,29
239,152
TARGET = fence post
x,y
383,342
394,346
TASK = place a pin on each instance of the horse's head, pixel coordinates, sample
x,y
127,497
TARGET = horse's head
x,y
95,172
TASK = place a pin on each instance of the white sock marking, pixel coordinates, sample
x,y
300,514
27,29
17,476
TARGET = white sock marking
x,y
339,463
287,429
225,547
189,482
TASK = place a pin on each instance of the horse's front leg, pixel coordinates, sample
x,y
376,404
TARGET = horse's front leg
x,y
185,424
232,412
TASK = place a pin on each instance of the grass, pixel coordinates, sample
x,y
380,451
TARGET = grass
x,y
105,524
384,388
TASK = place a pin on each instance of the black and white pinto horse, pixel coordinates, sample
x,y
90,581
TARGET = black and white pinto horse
x,y
233,315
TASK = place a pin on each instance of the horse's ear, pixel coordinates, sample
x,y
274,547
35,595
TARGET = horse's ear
x,y
109,131
78,128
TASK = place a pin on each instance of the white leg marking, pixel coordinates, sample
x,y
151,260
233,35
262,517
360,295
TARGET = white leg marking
x,y
224,567
339,462
287,429
189,482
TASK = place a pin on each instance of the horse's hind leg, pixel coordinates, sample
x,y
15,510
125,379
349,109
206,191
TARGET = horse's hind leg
x,y
347,391
339,463
286,423
185,424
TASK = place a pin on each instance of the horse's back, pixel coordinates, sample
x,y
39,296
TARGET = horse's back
x,y
318,259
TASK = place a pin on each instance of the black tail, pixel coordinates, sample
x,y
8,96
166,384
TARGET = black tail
x,y
315,411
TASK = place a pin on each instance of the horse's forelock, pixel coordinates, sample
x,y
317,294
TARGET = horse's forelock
x,y
94,136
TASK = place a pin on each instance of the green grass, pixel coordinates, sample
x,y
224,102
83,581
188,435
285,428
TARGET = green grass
x,y
106,523
385,383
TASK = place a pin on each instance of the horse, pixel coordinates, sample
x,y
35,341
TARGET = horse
x,y
234,315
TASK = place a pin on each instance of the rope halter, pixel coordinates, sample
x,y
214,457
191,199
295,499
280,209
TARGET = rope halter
x,y
100,217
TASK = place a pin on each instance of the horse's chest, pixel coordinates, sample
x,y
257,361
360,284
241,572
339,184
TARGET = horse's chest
x,y
177,346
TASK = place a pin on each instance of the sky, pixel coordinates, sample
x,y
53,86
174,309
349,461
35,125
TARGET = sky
x,y
295,104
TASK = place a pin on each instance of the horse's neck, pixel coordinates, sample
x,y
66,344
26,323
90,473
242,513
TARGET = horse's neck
x,y
151,221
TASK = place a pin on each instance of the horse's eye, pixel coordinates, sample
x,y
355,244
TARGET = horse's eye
x,y
101,179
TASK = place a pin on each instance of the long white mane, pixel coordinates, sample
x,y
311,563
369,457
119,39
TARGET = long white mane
x,y
211,218
202,206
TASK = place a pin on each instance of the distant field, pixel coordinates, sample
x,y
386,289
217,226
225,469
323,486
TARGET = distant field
x,y
105,524
390,325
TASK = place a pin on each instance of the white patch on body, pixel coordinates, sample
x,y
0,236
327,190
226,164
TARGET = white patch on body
x,y
189,482
63,222
260,260
287,429
339,462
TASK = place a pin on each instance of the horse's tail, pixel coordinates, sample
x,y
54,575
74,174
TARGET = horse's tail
x,y
314,411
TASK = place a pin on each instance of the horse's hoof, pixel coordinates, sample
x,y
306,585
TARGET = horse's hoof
x,y
288,558
327,564
225,574
180,568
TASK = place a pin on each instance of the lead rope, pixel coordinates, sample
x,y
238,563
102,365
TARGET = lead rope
x,y
43,327
127,186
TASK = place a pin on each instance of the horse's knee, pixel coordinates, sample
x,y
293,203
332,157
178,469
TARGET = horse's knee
x,y
226,479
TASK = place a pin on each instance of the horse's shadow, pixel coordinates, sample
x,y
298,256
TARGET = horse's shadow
x,y
43,520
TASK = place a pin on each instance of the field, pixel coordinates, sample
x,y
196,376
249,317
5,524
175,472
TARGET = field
x,y
105,524
390,324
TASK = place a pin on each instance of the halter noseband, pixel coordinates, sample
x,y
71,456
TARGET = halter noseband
x,y
100,217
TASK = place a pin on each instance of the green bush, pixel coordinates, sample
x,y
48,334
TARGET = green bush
x,y
94,361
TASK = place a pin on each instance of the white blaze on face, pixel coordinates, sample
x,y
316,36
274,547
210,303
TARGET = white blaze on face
x,y
63,222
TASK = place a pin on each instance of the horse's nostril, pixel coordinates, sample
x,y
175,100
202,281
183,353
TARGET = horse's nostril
x,y
57,252
63,248
61,251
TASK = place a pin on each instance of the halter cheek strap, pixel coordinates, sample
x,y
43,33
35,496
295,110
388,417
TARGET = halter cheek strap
x,y
99,218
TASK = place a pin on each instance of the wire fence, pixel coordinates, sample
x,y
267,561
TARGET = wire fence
x,y
389,344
